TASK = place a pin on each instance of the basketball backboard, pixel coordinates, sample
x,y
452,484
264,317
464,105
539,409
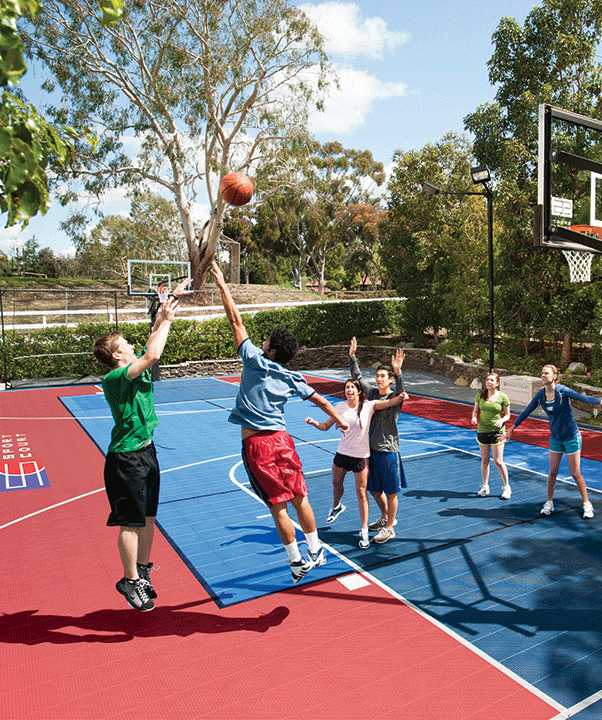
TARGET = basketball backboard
x,y
568,215
145,275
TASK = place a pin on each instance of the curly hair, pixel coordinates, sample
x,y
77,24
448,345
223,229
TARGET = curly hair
x,y
284,343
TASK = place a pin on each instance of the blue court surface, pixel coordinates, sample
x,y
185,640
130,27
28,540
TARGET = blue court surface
x,y
521,588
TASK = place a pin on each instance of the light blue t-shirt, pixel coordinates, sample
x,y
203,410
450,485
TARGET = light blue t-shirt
x,y
265,386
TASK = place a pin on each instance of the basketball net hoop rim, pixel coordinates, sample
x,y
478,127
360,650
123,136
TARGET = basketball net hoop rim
x,y
580,265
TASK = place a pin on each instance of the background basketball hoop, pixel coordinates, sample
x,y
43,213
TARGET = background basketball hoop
x,y
580,265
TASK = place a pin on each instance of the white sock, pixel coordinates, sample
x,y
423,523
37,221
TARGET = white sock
x,y
312,541
364,533
293,552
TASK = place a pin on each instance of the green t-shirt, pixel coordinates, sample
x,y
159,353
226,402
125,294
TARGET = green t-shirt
x,y
490,412
132,407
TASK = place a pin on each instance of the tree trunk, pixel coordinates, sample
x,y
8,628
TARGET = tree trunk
x,y
566,354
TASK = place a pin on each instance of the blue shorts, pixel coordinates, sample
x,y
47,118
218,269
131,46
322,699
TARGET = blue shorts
x,y
566,446
386,473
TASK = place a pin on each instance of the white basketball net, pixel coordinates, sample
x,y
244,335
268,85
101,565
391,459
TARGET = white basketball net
x,y
580,265
163,293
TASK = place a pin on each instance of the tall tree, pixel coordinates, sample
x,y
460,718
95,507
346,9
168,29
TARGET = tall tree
x,y
551,59
206,87
435,248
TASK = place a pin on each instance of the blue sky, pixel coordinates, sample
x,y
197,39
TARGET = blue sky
x,y
410,71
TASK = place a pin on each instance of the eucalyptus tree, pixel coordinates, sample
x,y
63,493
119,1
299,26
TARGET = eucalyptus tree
x,y
181,92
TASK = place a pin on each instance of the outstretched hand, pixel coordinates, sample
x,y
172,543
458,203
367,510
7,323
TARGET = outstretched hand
x,y
397,361
217,273
180,289
167,310
352,347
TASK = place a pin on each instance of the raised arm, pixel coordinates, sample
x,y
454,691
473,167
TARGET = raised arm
x,y
156,340
327,407
232,313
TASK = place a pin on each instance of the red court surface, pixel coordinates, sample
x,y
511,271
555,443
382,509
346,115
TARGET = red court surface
x,y
72,649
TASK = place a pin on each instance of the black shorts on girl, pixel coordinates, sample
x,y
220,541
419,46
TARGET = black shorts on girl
x,y
132,481
351,464
490,438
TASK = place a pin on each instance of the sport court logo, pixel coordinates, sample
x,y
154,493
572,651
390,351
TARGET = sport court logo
x,y
18,469
23,475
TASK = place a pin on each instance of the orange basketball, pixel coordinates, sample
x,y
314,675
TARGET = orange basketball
x,y
236,189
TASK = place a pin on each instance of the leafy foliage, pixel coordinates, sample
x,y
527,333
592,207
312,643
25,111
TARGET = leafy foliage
x,y
191,340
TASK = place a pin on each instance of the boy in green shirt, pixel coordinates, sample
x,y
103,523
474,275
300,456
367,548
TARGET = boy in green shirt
x,y
131,472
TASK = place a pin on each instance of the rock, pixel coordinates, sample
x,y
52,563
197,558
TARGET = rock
x,y
476,384
577,368
462,382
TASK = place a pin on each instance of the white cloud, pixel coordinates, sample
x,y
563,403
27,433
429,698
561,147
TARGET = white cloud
x,y
346,33
346,109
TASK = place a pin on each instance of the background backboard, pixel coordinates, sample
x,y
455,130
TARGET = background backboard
x,y
569,182
145,275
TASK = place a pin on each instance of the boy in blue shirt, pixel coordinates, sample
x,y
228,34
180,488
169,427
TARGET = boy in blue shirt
x,y
268,451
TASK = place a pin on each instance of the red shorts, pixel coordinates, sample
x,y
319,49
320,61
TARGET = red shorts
x,y
273,467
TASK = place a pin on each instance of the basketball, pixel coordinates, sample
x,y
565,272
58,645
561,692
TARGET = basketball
x,y
236,189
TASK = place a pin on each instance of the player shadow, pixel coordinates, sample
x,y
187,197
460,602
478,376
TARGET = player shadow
x,y
258,535
443,495
565,515
27,627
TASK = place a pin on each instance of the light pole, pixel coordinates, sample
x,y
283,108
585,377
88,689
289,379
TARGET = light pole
x,y
480,176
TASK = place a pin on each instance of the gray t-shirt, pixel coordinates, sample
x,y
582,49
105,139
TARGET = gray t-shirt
x,y
384,436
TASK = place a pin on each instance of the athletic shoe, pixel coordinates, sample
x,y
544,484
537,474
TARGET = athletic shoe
x,y
364,540
384,535
317,559
379,524
484,491
588,509
299,569
548,508
136,594
506,492
335,512
144,572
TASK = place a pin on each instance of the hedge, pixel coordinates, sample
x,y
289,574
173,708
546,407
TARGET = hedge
x,y
314,325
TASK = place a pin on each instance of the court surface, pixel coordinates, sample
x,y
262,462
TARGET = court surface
x,y
479,608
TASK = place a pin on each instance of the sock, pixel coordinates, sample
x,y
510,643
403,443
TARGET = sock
x,y
312,541
292,551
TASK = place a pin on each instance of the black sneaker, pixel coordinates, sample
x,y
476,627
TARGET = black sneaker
x,y
135,593
144,572
299,569
335,512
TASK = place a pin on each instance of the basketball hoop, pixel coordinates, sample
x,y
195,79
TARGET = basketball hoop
x,y
580,265
163,293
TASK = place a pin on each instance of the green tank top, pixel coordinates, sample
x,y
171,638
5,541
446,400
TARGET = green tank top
x,y
132,407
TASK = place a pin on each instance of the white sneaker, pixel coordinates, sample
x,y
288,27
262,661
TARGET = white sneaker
x,y
588,510
484,491
548,508
364,540
506,492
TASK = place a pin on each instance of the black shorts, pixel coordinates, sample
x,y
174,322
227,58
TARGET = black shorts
x,y
491,438
132,482
351,464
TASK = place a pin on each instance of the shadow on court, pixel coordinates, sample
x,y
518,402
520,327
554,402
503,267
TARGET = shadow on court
x,y
115,626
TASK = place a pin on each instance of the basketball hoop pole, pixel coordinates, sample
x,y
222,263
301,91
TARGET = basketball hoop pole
x,y
480,175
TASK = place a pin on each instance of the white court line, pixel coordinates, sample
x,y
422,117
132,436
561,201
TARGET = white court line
x,y
521,681
51,507
93,492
